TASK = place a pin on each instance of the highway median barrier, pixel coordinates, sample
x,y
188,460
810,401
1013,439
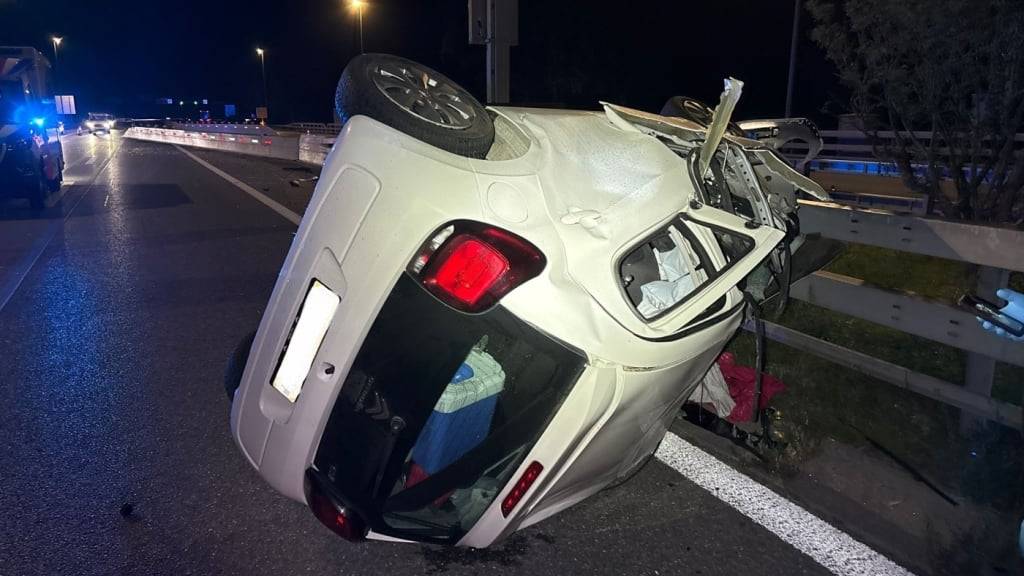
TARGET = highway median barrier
x,y
307,148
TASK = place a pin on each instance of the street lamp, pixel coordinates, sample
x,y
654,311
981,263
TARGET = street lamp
x,y
263,74
56,42
359,5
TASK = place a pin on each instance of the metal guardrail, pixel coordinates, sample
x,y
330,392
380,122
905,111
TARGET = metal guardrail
x,y
923,384
996,250
950,239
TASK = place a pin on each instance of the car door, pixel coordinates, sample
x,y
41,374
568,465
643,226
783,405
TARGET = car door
x,y
688,270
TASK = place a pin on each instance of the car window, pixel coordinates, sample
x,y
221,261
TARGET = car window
x,y
471,394
671,266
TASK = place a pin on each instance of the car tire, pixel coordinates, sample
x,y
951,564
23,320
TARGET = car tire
x,y
439,112
236,365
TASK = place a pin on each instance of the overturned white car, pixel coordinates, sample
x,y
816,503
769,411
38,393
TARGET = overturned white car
x,y
488,315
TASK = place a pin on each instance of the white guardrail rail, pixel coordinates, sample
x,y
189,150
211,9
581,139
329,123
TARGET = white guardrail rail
x,y
308,148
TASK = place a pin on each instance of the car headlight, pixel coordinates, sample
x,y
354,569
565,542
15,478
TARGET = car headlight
x,y
110,124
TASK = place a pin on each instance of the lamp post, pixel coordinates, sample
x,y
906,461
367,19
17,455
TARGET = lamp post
x,y
359,5
56,43
263,75
793,43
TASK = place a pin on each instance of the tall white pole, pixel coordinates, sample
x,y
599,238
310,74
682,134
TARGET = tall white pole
x,y
794,41
361,51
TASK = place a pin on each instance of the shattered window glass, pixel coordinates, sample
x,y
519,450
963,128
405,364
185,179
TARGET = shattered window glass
x,y
672,265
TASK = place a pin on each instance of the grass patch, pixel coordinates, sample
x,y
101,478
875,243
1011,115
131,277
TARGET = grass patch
x,y
1008,383
926,276
913,352
824,400
1017,281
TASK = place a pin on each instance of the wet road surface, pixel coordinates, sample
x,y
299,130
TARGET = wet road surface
x,y
124,302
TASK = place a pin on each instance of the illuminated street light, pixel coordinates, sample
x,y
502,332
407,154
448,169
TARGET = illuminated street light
x,y
263,75
359,5
56,42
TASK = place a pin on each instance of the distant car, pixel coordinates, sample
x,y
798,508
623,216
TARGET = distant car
x,y
489,315
31,155
96,122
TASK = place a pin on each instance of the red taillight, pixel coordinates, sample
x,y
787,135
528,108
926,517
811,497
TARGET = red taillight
x,y
338,519
519,490
471,266
469,269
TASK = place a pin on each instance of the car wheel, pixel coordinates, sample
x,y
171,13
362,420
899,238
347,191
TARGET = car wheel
x,y
417,100
236,365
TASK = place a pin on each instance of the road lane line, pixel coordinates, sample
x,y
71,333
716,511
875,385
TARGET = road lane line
x,y
824,543
270,202
22,267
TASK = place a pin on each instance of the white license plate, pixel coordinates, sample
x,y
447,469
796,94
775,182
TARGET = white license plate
x,y
315,317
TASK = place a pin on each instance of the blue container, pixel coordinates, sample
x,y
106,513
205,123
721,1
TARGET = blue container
x,y
462,417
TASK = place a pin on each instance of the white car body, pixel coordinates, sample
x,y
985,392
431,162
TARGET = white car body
x,y
584,188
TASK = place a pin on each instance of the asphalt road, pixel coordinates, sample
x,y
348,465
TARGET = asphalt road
x,y
122,304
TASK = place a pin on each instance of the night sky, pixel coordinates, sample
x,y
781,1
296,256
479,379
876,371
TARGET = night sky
x,y
119,53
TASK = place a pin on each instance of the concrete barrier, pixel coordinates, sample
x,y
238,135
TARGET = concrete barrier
x,y
285,147
313,149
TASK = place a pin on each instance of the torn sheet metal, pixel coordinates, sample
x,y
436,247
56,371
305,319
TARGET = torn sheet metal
x,y
720,121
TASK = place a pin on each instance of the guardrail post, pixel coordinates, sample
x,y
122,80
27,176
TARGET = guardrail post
x,y
980,369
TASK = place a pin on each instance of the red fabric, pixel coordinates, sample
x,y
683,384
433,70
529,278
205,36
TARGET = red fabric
x,y
740,380
416,475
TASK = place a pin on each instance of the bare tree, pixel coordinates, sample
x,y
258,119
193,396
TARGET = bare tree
x,y
954,68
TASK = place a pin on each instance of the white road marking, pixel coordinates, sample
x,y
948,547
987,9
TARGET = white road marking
x,y
270,202
824,543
